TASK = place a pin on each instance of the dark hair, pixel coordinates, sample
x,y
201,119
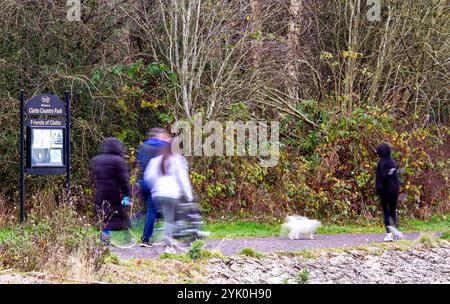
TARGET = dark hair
x,y
166,153
157,131
111,145
384,150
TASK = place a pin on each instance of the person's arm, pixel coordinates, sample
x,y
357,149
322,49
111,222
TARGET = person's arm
x,y
149,173
91,172
379,179
123,177
141,158
183,177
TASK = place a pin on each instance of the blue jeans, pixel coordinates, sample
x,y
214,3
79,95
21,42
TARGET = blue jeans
x,y
150,217
104,236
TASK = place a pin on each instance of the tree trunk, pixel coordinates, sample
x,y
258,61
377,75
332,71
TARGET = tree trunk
x,y
256,7
294,30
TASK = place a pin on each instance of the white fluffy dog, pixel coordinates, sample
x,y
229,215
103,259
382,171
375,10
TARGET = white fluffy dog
x,y
300,226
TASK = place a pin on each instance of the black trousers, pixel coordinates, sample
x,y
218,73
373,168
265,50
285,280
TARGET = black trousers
x,y
389,206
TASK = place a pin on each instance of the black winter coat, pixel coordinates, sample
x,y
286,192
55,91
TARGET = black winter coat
x,y
111,182
387,180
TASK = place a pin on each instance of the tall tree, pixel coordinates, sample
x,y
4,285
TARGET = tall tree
x,y
256,19
294,30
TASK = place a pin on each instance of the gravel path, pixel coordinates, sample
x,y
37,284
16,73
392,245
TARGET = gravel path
x,y
232,246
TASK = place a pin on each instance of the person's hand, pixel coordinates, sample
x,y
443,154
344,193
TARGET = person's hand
x,y
126,201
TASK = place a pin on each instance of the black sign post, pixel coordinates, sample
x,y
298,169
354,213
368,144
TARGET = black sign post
x,y
67,98
22,179
47,139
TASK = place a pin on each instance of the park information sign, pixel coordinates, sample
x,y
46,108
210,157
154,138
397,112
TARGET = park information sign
x,y
47,138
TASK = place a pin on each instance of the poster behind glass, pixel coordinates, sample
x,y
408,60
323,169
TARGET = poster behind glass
x,y
47,148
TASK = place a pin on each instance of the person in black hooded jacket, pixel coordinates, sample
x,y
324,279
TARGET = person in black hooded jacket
x,y
111,183
388,187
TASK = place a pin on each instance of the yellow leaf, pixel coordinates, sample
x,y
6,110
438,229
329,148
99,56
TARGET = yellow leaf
x,y
145,104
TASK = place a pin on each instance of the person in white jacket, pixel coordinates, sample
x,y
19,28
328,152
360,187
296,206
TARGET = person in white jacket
x,y
168,178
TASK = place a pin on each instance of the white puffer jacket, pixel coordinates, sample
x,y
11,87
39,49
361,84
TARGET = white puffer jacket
x,y
175,183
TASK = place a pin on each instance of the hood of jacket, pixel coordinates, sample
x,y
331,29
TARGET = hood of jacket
x,y
112,145
384,151
155,142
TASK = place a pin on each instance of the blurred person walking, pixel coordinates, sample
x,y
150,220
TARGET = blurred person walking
x,y
149,149
388,187
112,188
168,179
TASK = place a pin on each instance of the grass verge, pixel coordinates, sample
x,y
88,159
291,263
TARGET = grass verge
x,y
238,229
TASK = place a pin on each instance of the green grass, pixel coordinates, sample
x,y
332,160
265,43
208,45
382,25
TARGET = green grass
x,y
350,228
237,229
4,233
242,229
127,237
175,256
435,223
250,252
446,235
303,277
256,229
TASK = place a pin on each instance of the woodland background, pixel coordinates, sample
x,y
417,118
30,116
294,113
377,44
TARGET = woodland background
x,y
338,83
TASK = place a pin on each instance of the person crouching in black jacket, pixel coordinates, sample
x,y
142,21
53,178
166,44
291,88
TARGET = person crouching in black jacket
x,y
111,183
388,187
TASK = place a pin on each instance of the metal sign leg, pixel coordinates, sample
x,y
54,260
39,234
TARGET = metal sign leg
x,y
22,177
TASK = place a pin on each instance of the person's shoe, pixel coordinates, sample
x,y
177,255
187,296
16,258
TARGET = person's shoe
x,y
170,250
104,239
203,234
397,233
146,244
170,242
180,246
389,237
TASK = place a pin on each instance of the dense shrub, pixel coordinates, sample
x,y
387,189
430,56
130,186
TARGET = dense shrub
x,y
63,244
314,70
336,180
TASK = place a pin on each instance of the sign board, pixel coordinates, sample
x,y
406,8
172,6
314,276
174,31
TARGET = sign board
x,y
46,123
47,147
45,104
47,138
